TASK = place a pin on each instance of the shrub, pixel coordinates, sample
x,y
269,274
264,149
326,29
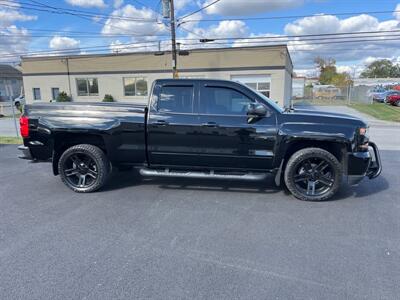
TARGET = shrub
x,y
108,98
63,97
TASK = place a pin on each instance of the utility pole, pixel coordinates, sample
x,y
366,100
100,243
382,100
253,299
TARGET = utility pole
x,y
169,12
173,39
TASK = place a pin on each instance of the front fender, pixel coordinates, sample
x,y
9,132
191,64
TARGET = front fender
x,y
312,135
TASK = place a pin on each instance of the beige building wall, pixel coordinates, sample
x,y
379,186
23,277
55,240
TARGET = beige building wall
x,y
52,72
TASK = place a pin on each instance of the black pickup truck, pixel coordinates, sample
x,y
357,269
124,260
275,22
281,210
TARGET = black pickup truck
x,y
201,129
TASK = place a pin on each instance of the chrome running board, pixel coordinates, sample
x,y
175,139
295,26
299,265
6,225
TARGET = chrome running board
x,y
200,175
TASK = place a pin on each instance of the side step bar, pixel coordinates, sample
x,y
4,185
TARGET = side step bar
x,y
200,175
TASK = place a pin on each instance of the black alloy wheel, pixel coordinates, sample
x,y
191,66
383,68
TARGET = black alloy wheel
x,y
80,170
84,168
313,174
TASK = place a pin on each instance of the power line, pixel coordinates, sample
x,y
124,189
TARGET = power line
x,y
59,10
190,31
88,36
144,5
99,47
280,37
303,35
302,44
144,44
293,16
199,10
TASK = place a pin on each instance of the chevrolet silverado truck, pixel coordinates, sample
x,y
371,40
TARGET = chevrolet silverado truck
x,y
201,129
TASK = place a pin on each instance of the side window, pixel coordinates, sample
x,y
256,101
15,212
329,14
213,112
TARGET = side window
x,y
178,99
36,94
54,93
223,101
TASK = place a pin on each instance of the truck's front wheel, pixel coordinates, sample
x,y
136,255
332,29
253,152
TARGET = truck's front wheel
x,y
313,174
84,168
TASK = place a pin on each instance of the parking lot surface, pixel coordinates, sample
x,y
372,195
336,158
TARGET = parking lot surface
x,y
191,239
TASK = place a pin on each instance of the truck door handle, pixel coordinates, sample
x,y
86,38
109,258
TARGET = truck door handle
x,y
161,123
210,124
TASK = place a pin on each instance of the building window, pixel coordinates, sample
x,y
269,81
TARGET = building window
x,y
135,86
54,93
36,94
261,83
87,86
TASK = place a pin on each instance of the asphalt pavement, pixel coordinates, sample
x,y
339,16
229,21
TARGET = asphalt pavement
x,y
195,239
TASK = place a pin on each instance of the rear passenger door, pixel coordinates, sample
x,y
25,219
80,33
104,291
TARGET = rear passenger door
x,y
172,124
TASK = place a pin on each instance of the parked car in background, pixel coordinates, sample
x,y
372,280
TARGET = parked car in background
x,y
391,93
19,101
326,92
394,99
382,97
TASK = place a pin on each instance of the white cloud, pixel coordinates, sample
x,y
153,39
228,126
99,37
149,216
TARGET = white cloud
x,y
119,47
304,52
13,43
180,4
396,13
63,44
87,3
120,23
118,3
222,30
11,14
248,7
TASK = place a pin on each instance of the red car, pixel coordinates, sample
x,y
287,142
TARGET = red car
x,y
394,99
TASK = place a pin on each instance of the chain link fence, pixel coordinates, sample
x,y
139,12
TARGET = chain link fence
x,y
333,95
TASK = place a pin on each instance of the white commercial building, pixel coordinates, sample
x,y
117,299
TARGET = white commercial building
x,y
128,77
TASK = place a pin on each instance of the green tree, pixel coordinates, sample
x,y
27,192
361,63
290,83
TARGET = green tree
x,y
63,97
327,69
108,98
341,79
329,74
382,68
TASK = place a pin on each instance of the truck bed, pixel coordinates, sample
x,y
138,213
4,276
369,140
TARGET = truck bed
x,y
119,126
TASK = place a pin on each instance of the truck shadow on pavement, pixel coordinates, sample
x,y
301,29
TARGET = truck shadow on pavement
x,y
121,180
128,179
364,189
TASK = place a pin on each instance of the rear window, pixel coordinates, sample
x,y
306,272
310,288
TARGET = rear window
x,y
176,99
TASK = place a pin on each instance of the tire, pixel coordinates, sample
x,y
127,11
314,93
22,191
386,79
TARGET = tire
x,y
397,103
84,168
313,174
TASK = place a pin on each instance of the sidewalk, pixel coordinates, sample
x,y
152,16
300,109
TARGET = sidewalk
x,y
7,127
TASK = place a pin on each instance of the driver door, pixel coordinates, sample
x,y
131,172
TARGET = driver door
x,y
227,137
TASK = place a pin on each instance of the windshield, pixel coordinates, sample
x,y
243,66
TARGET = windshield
x,y
269,101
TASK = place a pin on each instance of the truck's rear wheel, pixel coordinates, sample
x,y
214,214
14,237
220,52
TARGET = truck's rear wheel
x,y
313,174
84,168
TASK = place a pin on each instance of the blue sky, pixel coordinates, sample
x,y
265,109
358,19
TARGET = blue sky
x,y
25,28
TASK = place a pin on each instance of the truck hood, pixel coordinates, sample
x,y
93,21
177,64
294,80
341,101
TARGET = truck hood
x,y
318,116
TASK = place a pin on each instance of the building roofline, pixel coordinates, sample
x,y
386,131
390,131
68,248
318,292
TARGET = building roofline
x,y
77,56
